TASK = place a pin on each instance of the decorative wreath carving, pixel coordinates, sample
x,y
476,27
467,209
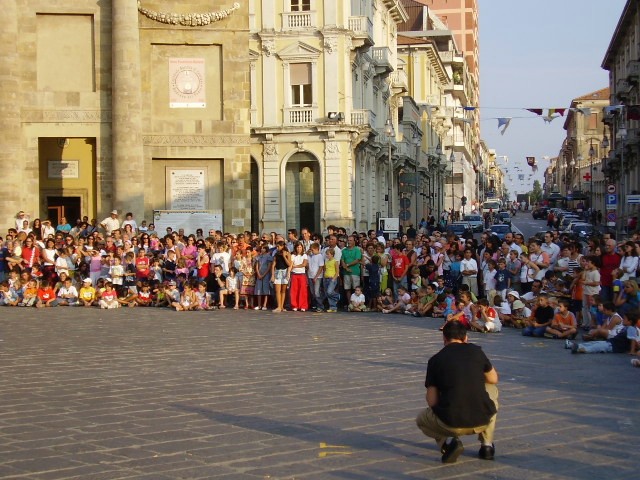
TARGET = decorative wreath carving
x,y
190,19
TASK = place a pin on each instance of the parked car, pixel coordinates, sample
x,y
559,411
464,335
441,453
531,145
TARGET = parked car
x,y
504,217
461,229
540,213
476,221
580,230
500,230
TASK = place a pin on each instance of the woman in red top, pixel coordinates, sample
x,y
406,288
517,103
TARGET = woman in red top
x,y
202,262
30,253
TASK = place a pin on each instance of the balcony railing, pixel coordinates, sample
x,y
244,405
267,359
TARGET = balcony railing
x,y
298,20
363,117
299,115
382,58
400,80
362,28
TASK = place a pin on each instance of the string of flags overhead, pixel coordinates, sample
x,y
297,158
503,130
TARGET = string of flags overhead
x,y
632,112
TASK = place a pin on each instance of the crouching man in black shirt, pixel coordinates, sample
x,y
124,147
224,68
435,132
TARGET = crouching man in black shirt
x,y
461,394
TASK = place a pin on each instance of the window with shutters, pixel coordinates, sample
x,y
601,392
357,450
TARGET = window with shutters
x,y
301,91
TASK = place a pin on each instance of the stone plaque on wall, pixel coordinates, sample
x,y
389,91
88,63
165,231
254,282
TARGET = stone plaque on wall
x,y
187,83
63,169
187,189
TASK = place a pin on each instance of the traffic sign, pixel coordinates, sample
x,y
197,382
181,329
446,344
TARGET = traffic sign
x,y
633,199
611,188
611,219
405,202
405,215
611,200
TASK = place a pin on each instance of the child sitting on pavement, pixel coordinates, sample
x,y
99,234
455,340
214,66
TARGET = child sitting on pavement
x,y
486,318
385,300
623,342
564,323
357,302
428,299
404,299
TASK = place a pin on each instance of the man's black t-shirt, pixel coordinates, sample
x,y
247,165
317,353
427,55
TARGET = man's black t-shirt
x,y
457,371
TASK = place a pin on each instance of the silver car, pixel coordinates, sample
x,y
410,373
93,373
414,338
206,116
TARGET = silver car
x,y
476,222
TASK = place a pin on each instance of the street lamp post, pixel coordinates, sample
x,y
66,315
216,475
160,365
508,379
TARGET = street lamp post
x,y
605,146
416,141
388,130
592,153
452,159
622,133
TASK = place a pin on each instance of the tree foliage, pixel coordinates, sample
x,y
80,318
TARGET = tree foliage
x,y
535,195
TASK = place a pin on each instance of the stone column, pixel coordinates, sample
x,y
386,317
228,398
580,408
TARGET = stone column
x,y
10,152
128,161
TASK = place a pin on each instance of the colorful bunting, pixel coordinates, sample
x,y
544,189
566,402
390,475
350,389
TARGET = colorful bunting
x,y
504,121
537,111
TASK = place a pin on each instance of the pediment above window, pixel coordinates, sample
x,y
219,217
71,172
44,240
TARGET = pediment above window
x,y
298,52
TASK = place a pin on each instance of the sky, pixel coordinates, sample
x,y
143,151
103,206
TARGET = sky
x,y
538,54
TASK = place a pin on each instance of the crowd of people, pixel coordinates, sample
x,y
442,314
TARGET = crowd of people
x,y
551,286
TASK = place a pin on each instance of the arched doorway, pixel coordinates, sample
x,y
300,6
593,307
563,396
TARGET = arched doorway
x,y
302,190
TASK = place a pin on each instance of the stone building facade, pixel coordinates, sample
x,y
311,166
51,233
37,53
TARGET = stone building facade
x,y
114,105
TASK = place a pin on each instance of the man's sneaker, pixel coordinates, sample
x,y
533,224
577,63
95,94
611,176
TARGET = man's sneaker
x,y
635,362
452,451
487,452
575,348
568,344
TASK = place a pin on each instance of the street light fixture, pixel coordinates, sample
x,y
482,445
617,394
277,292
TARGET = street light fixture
x,y
452,159
622,135
416,141
592,153
388,130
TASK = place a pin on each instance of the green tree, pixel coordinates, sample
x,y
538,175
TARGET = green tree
x,y
535,195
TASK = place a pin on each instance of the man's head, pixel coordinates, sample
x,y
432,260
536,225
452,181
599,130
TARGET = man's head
x,y
454,332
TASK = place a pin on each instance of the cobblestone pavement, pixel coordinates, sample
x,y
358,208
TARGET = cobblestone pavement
x,y
154,394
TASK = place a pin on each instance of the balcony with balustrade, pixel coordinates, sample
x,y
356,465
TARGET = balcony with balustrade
x,y
299,115
362,31
400,81
296,21
383,58
363,118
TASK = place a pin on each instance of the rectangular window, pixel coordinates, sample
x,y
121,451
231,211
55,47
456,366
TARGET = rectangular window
x,y
300,5
301,91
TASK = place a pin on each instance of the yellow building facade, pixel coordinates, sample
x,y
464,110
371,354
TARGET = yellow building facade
x,y
321,91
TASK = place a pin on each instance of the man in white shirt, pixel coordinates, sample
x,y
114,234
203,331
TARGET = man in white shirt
x,y
510,239
111,223
130,221
469,270
333,243
550,249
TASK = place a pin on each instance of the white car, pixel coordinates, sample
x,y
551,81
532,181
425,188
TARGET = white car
x,y
476,221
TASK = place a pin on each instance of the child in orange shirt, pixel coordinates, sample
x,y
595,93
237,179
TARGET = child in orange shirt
x,y
46,295
564,323
30,294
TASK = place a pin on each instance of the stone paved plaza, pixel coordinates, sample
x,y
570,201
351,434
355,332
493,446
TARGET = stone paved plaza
x,y
155,394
